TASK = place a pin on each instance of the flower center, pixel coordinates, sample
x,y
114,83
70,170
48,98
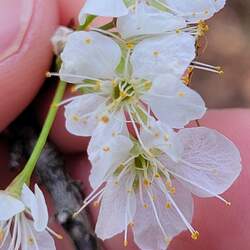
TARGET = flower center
x,y
124,90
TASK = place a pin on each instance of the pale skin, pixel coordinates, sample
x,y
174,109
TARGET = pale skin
x,y
22,73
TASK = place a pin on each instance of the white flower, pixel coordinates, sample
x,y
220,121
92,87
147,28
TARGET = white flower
x,y
112,8
59,39
146,20
114,82
150,188
23,221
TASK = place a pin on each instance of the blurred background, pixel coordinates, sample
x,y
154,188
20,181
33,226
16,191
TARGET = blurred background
x,y
228,46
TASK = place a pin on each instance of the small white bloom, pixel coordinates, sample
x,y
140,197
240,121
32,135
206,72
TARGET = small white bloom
x,y
150,188
115,83
24,220
59,39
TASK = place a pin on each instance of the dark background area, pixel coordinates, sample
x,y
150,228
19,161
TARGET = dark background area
x,y
228,45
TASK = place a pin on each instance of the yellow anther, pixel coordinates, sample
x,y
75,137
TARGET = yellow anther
x,y
1,234
168,184
195,235
157,175
75,118
147,85
96,204
48,74
130,45
181,93
106,149
156,53
73,89
125,243
202,28
178,31
123,94
146,182
105,119
30,241
145,205
186,80
87,40
168,205
221,72
172,190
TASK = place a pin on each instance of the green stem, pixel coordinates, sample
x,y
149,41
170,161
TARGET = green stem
x,y
30,165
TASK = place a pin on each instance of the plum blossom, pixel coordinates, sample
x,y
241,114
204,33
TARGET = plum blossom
x,y
115,81
24,220
142,17
194,10
150,181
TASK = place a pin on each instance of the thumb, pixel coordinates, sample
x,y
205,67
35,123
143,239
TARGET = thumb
x,y
25,52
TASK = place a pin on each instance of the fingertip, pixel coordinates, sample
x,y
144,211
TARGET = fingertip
x,y
69,10
25,52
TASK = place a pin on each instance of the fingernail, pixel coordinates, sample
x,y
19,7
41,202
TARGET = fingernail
x,y
15,17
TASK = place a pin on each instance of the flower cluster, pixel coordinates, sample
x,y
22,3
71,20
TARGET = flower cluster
x,y
132,76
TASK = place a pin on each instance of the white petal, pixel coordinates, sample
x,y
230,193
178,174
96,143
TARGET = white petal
x,y
109,156
147,20
9,206
160,136
82,114
42,217
173,102
147,233
31,238
36,204
112,8
89,54
196,10
109,126
111,219
162,55
209,159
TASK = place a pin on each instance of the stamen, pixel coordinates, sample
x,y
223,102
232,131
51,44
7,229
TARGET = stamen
x,y
156,215
194,233
52,232
209,68
202,188
92,196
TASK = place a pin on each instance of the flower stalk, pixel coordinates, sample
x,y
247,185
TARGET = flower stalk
x,y
24,177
